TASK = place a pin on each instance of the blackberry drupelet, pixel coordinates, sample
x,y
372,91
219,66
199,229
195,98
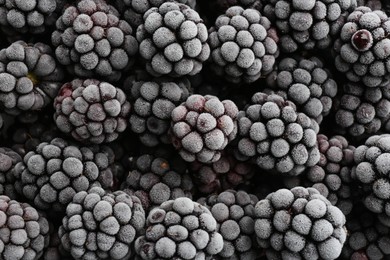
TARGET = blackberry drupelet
x,y
307,24
299,224
331,176
202,127
91,111
277,137
19,17
173,40
361,111
92,41
152,104
179,229
52,174
30,77
306,83
371,170
362,49
155,180
242,49
25,232
367,238
101,225
234,212
226,173
8,160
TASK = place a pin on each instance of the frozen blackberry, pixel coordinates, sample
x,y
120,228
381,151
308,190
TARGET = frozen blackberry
x,y
360,111
173,40
26,16
202,127
331,176
153,180
299,224
367,238
25,232
52,174
241,48
92,41
226,173
371,170
306,83
307,25
29,77
8,160
277,137
92,111
134,10
362,49
152,103
101,225
179,229
234,212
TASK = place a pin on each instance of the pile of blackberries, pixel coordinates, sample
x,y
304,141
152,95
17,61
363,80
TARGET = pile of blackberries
x,y
192,129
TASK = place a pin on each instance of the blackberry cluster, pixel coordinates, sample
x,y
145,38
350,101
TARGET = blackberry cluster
x,y
306,83
101,225
226,173
8,161
26,16
307,24
179,229
242,49
30,77
372,170
299,224
91,111
154,180
173,40
234,212
367,238
277,137
331,176
51,175
24,231
360,110
152,104
92,41
202,126
362,47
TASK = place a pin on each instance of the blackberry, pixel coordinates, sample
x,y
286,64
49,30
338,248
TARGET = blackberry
x,y
306,83
277,137
226,173
299,224
307,25
92,41
179,229
154,180
173,40
133,11
241,47
234,212
152,103
92,111
202,127
371,171
367,238
360,111
26,16
29,77
331,176
25,232
101,225
362,47
8,160
52,174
